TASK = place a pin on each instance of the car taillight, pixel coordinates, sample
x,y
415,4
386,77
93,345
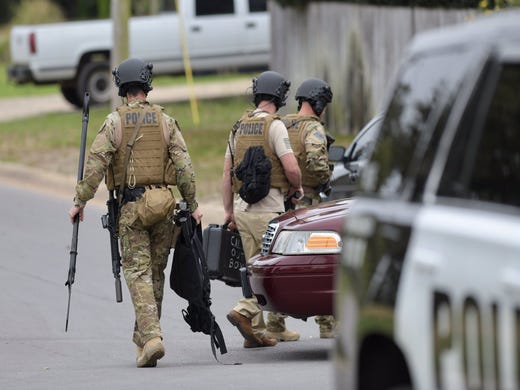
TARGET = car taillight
x,y
32,43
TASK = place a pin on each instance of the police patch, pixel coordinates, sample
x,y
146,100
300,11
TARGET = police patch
x,y
131,118
252,128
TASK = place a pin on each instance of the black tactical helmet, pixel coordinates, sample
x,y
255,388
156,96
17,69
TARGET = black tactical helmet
x,y
315,91
133,71
271,85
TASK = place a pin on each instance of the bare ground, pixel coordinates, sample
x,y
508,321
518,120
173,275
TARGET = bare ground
x,y
51,183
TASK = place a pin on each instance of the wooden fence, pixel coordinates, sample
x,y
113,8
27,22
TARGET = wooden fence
x,y
357,49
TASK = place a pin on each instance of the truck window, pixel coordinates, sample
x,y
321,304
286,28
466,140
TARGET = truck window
x,y
489,168
257,5
413,123
212,7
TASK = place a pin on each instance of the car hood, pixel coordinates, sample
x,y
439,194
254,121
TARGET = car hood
x,y
326,215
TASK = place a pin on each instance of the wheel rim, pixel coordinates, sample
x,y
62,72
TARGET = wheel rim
x,y
99,86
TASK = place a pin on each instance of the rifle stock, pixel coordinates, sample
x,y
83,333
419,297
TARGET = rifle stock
x,y
75,228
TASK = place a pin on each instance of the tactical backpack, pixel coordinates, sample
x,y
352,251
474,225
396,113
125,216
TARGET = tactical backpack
x,y
190,280
254,171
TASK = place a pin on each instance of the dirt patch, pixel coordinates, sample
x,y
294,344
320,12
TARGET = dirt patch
x,y
62,161
55,176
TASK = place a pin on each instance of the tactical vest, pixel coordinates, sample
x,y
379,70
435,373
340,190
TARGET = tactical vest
x,y
296,127
254,131
147,163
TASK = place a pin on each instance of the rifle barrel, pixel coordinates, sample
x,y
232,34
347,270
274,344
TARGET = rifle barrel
x,y
119,293
75,228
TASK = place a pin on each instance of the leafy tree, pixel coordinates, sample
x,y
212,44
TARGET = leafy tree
x,y
90,9
8,10
36,12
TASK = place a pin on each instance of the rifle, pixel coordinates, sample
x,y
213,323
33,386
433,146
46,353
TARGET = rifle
x,y
75,227
109,221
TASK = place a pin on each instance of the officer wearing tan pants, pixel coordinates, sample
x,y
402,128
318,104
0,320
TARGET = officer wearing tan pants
x,y
259,127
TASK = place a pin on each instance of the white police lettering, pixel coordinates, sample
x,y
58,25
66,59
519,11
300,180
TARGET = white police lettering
x,y
132,118
466,341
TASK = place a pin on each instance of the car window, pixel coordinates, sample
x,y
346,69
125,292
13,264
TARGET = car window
x,y
484,162
413,122
257,5
364,143
212,7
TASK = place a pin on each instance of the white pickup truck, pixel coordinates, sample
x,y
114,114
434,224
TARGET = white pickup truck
x,y
219,34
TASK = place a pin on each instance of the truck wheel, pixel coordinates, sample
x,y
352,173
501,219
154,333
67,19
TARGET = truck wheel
x,y
95,77
70,94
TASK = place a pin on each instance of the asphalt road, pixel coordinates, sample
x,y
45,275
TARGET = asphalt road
x,y
97,352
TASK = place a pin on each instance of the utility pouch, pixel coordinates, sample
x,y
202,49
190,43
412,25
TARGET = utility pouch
x,y
254,171
155,205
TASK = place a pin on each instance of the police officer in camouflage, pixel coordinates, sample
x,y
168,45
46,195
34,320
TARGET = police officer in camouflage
x,y
309,143
158,159
260,127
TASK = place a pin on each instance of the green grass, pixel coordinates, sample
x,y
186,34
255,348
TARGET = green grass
x,y
11,89
33,140
59,133
51,141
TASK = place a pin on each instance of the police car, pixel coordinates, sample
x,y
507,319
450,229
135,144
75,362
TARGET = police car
x,y
428,286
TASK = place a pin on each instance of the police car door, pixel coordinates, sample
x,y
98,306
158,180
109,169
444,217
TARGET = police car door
x,y
461,285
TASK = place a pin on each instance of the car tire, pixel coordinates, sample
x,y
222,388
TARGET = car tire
x,y
70,93
95,78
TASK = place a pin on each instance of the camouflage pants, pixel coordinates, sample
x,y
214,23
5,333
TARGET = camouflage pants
x,y
276,322
144,253
326,323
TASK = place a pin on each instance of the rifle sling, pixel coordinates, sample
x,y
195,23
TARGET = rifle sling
x,y
129,147
234,132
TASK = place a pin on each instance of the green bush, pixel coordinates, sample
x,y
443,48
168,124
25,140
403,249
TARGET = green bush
x,y
4,45
27,12
36,12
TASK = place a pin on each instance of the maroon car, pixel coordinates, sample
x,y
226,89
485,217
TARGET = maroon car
x,y
294,273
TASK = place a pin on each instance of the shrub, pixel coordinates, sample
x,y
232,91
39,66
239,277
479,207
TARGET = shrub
x,y
37,11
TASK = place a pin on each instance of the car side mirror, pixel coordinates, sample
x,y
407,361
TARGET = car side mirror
x,y
336,153
351,152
